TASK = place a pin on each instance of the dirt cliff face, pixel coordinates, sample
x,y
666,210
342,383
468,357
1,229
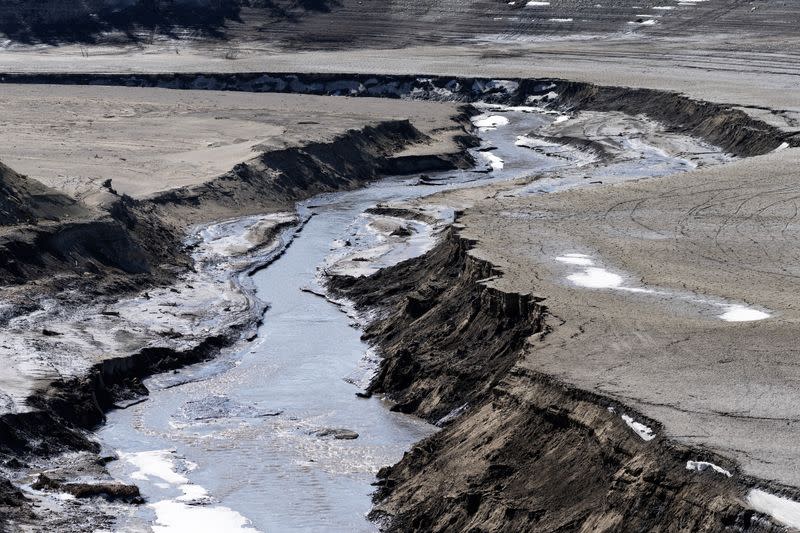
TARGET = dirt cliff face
x,y
720,124
442,368
519,451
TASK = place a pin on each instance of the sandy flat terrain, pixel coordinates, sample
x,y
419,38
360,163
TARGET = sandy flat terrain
x,y
151,140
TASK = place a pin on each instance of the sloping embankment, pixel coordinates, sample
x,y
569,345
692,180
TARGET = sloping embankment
x,y
520,451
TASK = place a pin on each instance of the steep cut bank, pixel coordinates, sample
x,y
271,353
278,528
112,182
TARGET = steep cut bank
x,y
436,309
519,451
44,232
723,125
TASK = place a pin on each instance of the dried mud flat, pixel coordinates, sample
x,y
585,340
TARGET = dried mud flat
x,y
617,358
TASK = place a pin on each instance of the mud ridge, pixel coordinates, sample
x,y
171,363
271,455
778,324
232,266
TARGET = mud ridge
x,y
730,128
283,177
520,451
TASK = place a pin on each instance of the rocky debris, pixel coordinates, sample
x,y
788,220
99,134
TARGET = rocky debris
x,y
402,231
111,491
336,433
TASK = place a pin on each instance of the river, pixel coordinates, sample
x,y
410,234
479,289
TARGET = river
x,y
234,444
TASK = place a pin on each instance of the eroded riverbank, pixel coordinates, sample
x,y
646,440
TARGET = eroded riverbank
x,y
543,153
263,416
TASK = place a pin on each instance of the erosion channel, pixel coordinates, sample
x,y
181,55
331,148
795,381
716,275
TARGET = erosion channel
x,y
272,436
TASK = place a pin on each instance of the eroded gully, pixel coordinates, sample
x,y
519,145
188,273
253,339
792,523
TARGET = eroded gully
x,y
261,439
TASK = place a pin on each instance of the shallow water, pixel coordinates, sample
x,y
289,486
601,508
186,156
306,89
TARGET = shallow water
x,y
232,441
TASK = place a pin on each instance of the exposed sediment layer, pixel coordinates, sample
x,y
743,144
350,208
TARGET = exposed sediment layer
x,y
434,374
520,451
724,125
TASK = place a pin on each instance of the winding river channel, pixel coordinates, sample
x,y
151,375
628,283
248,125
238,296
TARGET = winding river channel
x,y
261,438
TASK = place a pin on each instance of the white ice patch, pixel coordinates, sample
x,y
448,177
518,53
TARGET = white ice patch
x,y
560,20
782,147
741,313
193,494
561,118
596,278
640,429
177,517
664,8
489,122
495,162
189,512
783,510
537,4
702,466
154,464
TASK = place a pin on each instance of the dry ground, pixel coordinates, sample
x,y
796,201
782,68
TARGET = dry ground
x,y
152,140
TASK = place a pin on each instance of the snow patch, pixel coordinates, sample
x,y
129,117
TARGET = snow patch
x,y
640,429
702,466
782,147
189,512
596,278
154,464
552,95
783,510
741,313
489,122
495,162
177,517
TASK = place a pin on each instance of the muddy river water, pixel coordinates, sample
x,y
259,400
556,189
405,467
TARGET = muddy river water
x,y
261,438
